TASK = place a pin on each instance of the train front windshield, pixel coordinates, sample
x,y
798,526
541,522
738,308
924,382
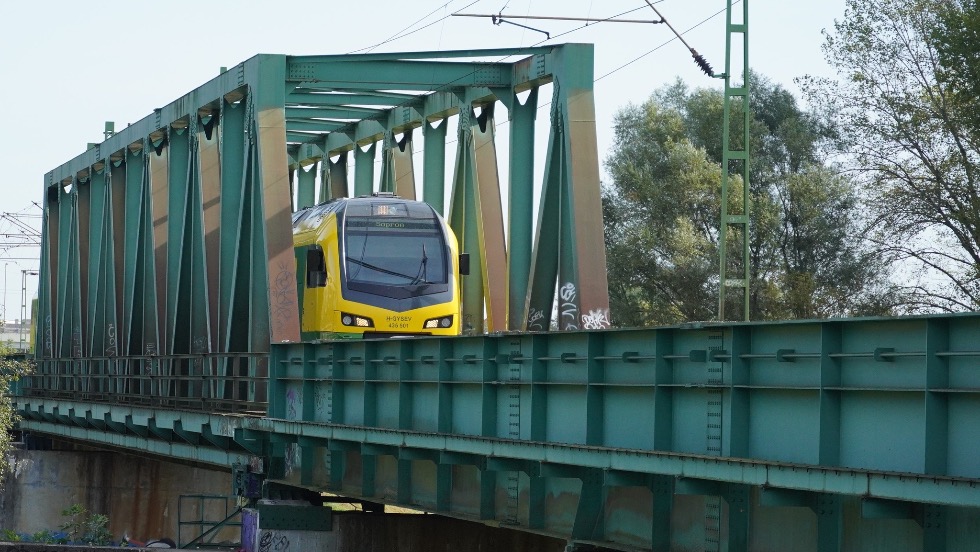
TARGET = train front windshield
x,y
395,252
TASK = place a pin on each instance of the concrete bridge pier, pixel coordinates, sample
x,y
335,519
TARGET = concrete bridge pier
x,y
140,495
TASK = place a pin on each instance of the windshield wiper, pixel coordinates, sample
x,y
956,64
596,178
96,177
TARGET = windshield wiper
x,y
422,277
381,269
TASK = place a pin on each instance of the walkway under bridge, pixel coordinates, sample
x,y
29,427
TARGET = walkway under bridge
x,y
813,435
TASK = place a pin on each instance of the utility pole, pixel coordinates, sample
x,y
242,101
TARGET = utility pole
x,y
23,306
736,224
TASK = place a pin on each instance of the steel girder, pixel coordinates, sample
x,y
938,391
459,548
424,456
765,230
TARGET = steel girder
x,y
610,437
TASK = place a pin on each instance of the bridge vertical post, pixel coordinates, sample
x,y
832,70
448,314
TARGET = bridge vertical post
x,y
119,180
83,221
266,79
520,200
178,147
158,183
397,170
48,281
333,181
193,296
233,331
434,164
137,281
364,169
69,315
464,222
94,293
306,186
209,160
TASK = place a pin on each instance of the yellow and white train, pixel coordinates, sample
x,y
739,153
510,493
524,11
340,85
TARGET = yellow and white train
x,y
378,266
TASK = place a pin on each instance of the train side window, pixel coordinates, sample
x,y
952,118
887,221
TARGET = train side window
x,y
316,268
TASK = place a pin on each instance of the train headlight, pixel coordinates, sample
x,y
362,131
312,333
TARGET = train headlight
x,y
356,321
441,322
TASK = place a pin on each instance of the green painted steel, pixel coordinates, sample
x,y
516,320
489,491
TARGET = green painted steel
x,y
200,260
570,217
520,202
167,271
827,438
307,187
434,166
735,226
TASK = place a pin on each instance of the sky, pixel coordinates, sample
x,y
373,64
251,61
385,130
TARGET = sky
x,y
69,66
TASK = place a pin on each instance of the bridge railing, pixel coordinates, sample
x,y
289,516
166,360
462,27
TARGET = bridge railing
x,y
216,382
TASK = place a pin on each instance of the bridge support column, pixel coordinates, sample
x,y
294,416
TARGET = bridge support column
x,y
288,525
932,519
829,523
738,498
663,504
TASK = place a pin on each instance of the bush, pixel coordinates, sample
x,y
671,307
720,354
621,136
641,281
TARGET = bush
x,y
44,537
85,527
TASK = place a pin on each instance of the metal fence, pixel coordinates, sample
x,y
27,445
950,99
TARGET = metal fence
x,y
219,382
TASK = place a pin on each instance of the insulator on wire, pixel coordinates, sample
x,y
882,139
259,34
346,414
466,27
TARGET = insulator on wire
x,y
702,63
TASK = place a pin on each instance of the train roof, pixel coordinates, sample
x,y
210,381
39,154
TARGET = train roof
x,y
362,206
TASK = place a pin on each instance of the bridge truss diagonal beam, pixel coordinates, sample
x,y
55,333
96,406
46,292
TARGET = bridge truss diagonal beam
x,y
184,216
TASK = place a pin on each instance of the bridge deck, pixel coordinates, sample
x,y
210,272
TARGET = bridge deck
x,y
597,436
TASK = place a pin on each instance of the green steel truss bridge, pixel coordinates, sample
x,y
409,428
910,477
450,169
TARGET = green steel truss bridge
x,y
168,326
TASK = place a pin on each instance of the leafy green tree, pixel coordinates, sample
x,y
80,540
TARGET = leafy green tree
x,y
907,135
956,37
662,214
12,369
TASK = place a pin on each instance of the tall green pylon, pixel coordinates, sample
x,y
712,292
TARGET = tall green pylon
x,y
735,160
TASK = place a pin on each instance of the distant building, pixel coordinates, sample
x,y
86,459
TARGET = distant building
x,y
16,335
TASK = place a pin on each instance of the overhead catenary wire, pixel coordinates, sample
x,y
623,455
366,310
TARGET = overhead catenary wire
x,y
611,72
589,22
499,16
405,32
449,84
698,58
661,45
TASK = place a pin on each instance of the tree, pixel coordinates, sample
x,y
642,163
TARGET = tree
x,y
906,136
662,214
12,369
956,38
